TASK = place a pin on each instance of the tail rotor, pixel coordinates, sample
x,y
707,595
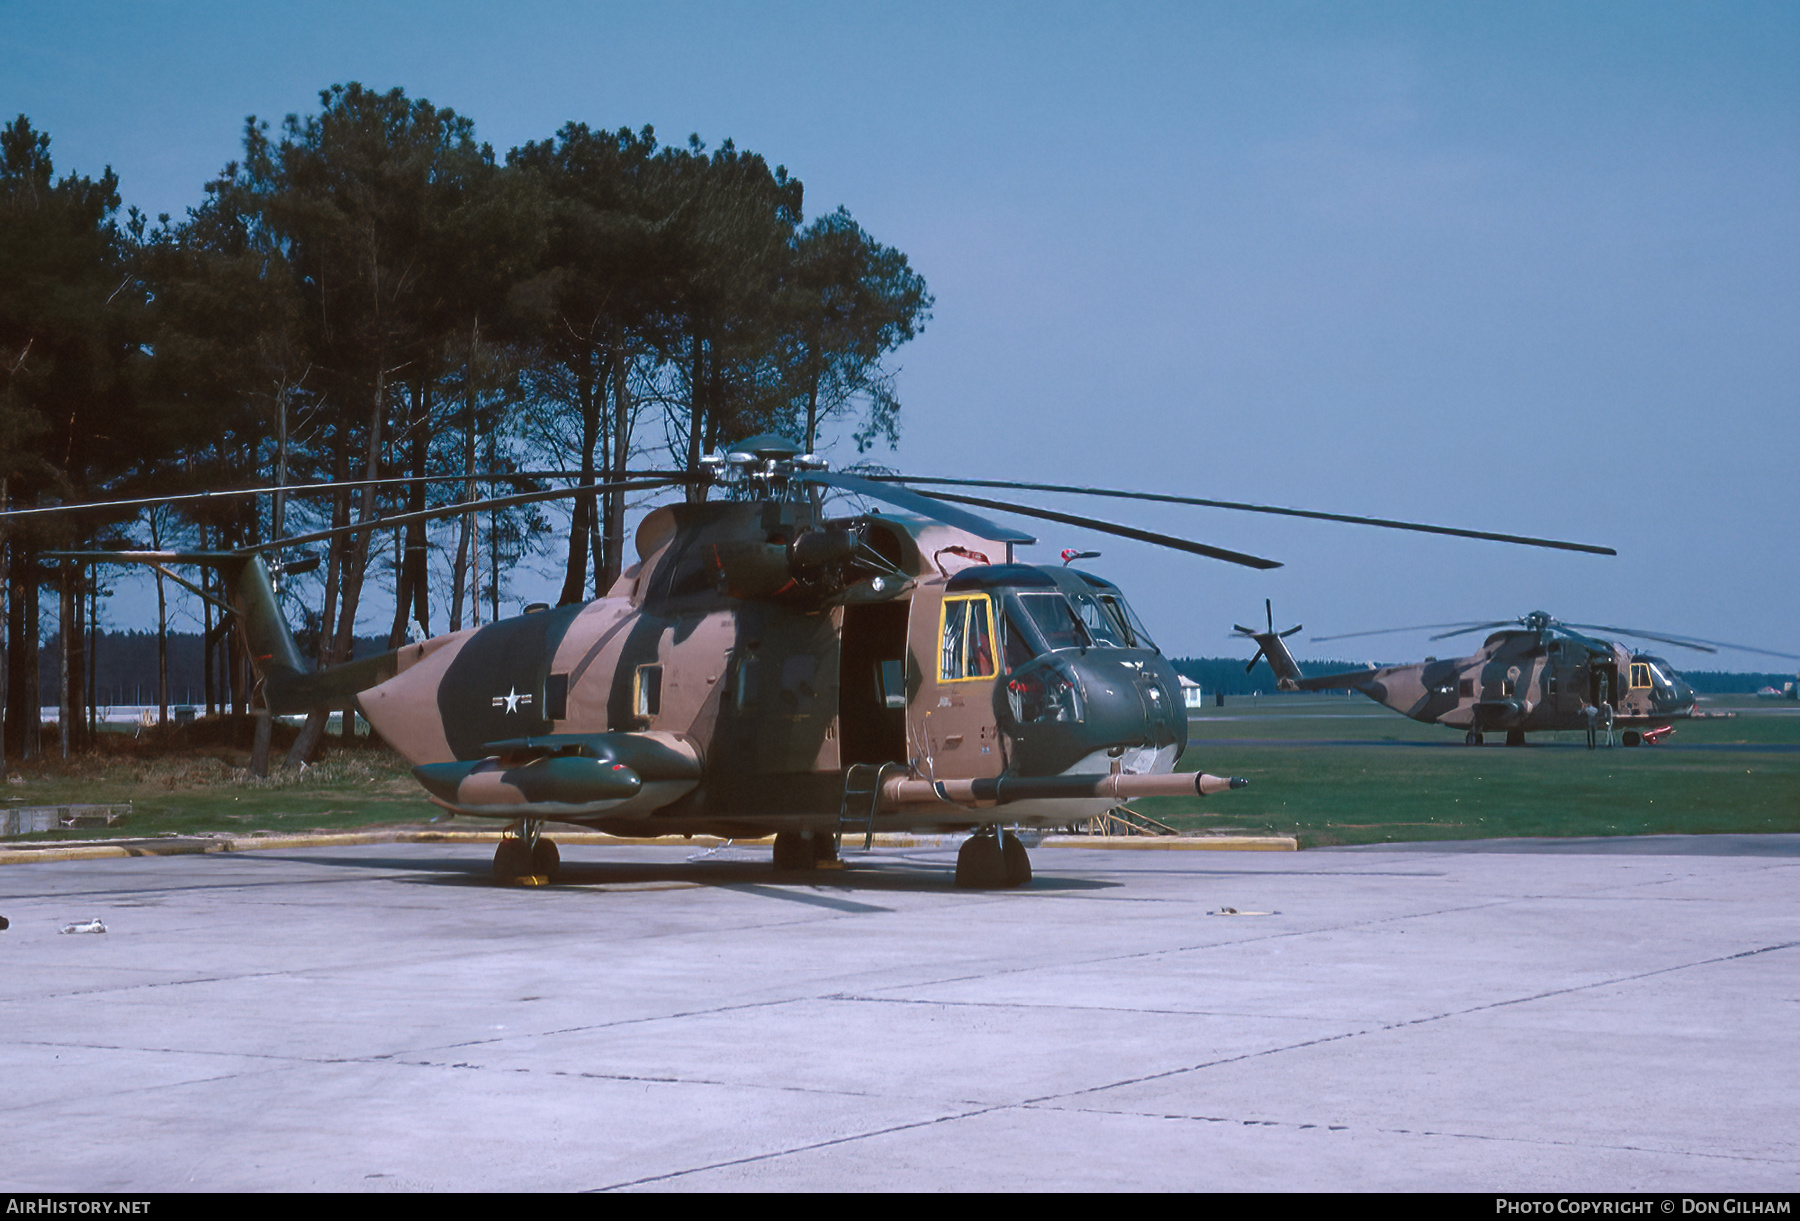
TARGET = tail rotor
x,y
1270,644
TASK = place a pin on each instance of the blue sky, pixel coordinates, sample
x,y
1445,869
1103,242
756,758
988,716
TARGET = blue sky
x,y
1521,267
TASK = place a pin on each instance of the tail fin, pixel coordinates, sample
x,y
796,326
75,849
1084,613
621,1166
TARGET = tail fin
x,y
1272,645
289,683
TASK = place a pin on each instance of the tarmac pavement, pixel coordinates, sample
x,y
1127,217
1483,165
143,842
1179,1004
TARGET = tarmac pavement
x,y
379,1017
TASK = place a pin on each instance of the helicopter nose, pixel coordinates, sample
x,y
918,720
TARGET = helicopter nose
x,y
1067,707
1131,701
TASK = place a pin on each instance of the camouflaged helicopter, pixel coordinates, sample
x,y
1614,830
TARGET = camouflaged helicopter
x,y
1535,674
768,668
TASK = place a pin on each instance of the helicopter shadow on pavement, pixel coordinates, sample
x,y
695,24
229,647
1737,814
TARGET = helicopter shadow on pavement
x,y
891,875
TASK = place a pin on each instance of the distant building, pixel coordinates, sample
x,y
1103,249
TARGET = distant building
x,y
1190,692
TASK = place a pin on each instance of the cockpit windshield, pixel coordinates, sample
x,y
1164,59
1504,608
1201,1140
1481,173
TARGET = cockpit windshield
x,y
1104,624
1135,635
1054,620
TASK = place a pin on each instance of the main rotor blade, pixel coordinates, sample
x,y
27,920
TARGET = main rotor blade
x,y
1389,631
468,506
1476,627
916,502
1088,523
302,489
1690,642
1385,523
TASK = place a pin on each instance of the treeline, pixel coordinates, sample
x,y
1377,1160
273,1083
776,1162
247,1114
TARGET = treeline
x,y
371,294
126,667
1225,674
1216,674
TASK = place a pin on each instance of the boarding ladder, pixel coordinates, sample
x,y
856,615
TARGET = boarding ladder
x,y
862,798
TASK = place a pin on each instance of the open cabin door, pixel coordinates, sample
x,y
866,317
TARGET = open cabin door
x,y
872,683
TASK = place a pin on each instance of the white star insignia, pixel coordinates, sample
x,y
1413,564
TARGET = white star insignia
x,y
511,700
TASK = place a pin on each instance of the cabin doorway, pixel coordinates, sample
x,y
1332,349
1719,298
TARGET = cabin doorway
x,y
872,684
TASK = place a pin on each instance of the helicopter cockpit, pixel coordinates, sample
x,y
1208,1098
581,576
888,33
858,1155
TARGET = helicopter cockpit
x,y
1084,685
1668,690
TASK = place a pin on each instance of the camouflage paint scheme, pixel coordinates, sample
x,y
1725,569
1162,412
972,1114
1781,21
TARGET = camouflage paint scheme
x,y
1520,681
738,680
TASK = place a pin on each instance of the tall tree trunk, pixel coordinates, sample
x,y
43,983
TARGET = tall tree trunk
x,y
90,661
65,620
24,719
696,417
465,523
581,520
207,644
6,633
412,579
619,453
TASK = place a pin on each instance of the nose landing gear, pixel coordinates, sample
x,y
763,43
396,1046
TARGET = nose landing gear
x,y
524,857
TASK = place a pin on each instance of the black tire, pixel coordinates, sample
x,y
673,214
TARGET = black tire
x,y
824,848
981,863
792,853
511,861
1016,861
1472,738
546,860
1515,737
1631,737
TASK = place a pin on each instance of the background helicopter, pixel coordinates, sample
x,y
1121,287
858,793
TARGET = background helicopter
x,y
1537,674
766,667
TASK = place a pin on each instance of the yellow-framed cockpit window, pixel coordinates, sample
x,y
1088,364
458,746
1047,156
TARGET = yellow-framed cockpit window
x,y
966,649
1640,675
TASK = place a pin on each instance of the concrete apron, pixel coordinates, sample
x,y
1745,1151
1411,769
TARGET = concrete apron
x,y
379,1017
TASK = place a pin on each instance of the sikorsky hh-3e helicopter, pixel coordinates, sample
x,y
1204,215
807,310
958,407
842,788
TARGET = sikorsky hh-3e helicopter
x,y
1537,673
767,668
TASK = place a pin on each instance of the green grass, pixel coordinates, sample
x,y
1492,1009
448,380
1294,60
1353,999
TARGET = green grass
x,y
1328,769
194,794
1342,770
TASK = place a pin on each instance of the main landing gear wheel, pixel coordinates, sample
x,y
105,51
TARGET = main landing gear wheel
x,y
799,850
1018,864
1515,737
992,860
1472,738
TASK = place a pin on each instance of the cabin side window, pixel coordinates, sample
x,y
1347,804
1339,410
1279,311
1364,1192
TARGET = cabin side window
x,y
966,648
647,691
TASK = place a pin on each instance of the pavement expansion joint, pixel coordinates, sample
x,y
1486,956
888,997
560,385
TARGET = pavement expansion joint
x,y
806,1148
1598,983
1034,1006
1294,1125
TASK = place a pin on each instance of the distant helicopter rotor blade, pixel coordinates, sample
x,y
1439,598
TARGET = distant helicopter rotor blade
x,y
1688,642
1142,536
1476,627
1352,519
1389,631
916,502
